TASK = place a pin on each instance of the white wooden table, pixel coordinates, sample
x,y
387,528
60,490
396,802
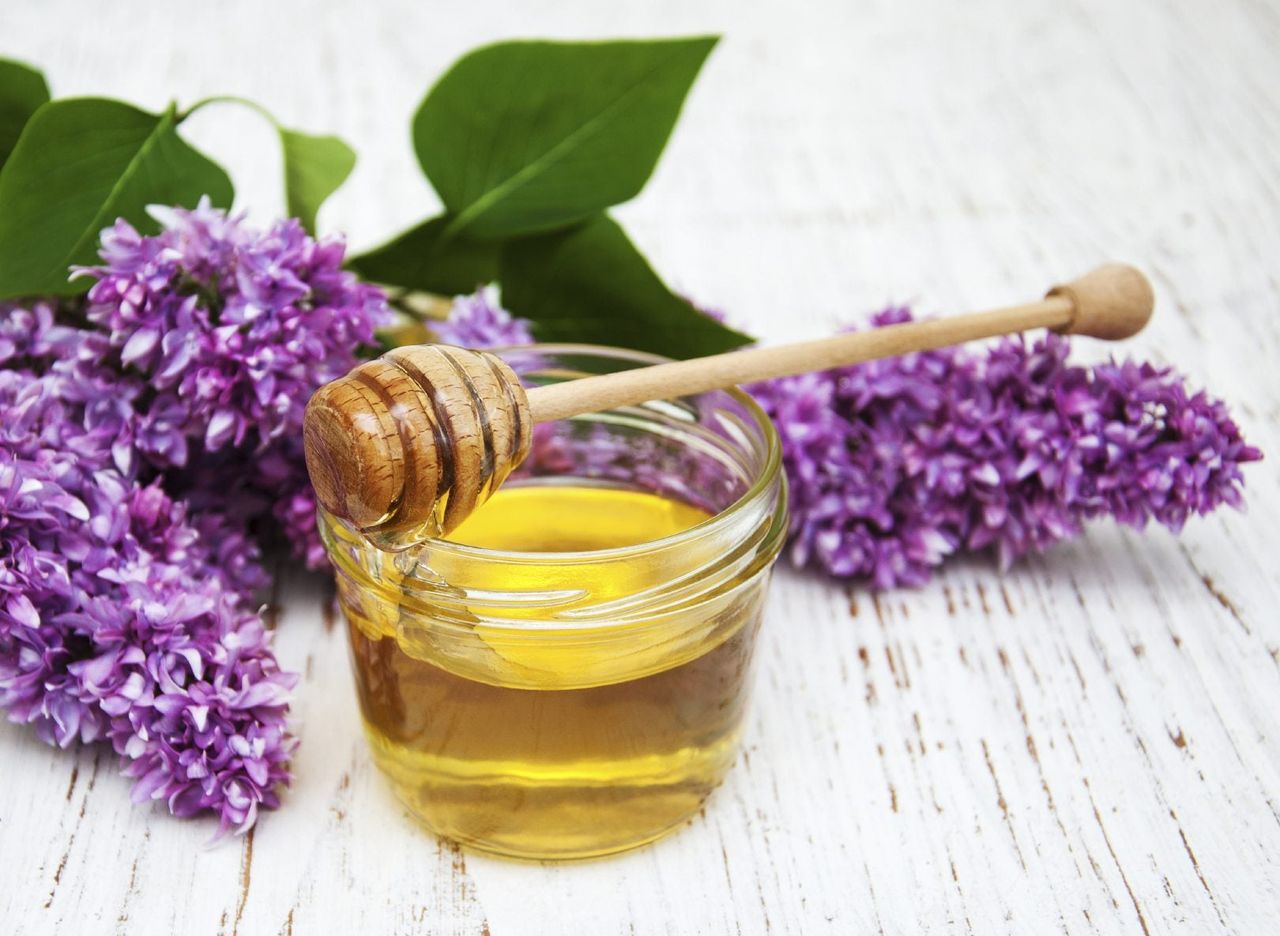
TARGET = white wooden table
x,y
1090,743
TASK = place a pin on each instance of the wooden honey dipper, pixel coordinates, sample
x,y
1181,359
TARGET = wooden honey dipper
x,y
408,445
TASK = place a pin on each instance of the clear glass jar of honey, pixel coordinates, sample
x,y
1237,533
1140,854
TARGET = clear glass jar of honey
x,y
565,675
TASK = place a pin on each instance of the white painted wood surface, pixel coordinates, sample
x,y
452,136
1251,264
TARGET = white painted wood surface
x,y
1090,743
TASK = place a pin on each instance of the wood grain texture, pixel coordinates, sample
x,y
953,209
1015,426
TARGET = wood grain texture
x,y
1087,744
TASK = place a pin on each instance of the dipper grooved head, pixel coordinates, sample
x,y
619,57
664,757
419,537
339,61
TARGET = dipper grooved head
x,y
416,439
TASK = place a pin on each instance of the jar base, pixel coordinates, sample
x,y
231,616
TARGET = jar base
x,y
571,815
485,847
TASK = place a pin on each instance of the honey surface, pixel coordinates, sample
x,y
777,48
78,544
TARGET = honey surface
x,y
562,518
513,762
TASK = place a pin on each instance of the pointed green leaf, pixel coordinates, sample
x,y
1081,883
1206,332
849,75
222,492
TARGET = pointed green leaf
x,y
521,137
314,167
22,91
80,164
589,283
420,259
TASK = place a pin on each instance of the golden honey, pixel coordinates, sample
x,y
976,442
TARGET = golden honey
x,y
570,772
566,675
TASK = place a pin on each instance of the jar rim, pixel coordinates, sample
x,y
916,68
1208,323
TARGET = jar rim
x,y
759,487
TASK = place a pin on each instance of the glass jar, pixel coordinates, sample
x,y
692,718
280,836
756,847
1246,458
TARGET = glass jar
x,y
578,688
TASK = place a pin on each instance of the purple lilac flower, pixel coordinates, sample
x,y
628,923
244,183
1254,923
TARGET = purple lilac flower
x,y
122,617
896,464
231,329
478,321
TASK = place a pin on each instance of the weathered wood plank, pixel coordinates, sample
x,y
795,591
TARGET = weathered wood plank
x,y
1086,744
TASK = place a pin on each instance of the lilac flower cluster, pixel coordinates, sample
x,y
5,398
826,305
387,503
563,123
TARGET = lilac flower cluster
x,y
139,452
232,329
122,617
478,321
896,464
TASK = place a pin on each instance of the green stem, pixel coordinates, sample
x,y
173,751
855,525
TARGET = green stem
x,y
397,302
229,99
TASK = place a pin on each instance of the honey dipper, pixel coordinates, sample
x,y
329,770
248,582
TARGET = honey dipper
x,y
408,445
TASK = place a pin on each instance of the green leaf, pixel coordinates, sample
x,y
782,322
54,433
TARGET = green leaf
x,y
421,259
80,164
314,167
22,91
521,137
589,283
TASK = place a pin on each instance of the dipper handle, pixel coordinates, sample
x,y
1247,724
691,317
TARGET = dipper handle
x,y
405,447
1113,301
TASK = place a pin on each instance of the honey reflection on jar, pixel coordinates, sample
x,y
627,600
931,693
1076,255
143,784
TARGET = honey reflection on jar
x,y
515,762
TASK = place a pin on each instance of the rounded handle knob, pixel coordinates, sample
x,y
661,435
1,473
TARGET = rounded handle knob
x,y
1113,301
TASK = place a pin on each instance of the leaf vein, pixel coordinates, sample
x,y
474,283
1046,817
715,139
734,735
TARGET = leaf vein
x,y
131,168
543,162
